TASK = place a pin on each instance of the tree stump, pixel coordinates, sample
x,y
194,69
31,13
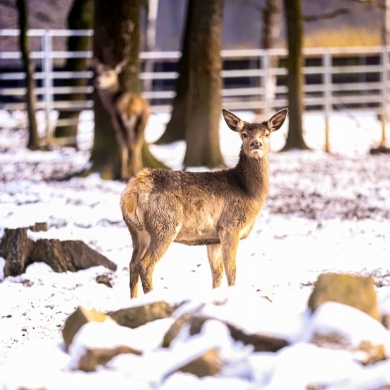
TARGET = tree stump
x,y
15,248
70,255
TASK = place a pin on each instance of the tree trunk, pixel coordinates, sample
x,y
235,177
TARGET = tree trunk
x,y
293,14
28,66
80,18
150,41
116,37
204,84
272,25
177,125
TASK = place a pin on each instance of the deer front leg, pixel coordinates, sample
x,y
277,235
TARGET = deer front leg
x,y
229,245
215,259
123,147
135,158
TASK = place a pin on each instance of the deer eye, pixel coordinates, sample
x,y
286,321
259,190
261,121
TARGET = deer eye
x,y
244,135
267,134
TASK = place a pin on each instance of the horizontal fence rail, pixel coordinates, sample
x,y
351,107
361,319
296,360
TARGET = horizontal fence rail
x,y
346,79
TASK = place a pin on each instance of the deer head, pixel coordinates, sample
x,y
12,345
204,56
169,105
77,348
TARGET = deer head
x,y
106,77
255,136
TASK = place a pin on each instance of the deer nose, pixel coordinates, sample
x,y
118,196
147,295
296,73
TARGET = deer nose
x,y
256,144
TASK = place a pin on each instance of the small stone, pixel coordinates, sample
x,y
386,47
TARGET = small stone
x,y
39,227
104,279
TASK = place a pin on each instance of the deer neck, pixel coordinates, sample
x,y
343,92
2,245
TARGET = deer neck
x,y
253,175
109,97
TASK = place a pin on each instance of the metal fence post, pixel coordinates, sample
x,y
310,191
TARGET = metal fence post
x,y
47,70
327,63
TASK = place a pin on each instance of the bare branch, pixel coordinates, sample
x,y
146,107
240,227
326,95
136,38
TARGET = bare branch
x,y
252,3
374,3
327,15
8,3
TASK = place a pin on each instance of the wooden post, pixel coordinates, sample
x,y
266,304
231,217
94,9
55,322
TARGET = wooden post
x,y
47,68
384,114
327,63
385,64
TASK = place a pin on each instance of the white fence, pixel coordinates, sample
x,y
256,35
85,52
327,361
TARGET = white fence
x,y
346,79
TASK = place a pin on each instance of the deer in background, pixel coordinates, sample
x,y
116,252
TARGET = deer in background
x,y
129,115
214,208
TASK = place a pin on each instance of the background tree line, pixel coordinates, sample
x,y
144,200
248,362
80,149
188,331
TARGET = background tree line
x,y
197,105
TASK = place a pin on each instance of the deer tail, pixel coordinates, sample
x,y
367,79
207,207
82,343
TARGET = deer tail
x,y
137,189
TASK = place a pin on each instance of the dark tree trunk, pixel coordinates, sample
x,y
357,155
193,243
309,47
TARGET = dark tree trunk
x,y
293,14
28,66
272,22
177,125
272,25
116,37
205,84
150,39
80,18
112,36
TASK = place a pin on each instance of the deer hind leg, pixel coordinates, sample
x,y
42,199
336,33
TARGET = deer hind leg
x,y
153,254
214,255
140,245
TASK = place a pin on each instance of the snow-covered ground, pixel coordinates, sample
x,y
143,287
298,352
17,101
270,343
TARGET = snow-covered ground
x,y
324,213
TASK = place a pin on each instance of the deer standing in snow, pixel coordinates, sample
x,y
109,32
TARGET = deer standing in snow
x,y
215,209
129,115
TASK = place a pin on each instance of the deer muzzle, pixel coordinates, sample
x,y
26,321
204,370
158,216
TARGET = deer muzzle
x,y
256,145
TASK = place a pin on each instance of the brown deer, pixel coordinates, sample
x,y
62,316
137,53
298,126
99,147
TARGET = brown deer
x,y
214,208
129,115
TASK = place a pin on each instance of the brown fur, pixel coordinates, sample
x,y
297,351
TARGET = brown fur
x,y
129,114
216,209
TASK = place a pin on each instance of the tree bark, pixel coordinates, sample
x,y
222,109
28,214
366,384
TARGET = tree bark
x,y
150,41
80,17
177,125
294,23
205,84
28,67
116,37
272,15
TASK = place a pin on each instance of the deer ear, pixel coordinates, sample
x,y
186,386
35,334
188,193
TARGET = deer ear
x,y
233,121
96,64
119,67
277,120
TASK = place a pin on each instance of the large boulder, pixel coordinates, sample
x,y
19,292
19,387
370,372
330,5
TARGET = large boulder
x,y
78,319
94,357
260,342
208,364
133,317
353,290
338,326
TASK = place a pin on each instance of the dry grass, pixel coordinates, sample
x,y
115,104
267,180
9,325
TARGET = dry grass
x,y
344,36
